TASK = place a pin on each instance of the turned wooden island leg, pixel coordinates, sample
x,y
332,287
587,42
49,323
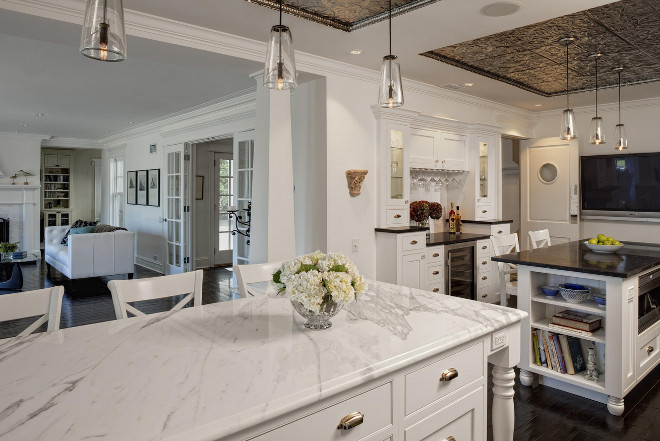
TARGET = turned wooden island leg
x,y
503,413
615,405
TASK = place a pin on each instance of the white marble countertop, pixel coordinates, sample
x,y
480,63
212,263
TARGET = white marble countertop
x,y
203,373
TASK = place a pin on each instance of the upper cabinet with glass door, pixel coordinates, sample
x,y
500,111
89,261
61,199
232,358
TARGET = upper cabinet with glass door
x,y
485,177
396,174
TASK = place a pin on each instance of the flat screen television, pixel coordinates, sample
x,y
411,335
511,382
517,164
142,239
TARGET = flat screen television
x,y
621,185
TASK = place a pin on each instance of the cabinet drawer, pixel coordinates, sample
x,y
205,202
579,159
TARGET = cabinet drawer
x,y
462,420
435,255
435,273
484,294
397,217
483,212
375,405
483,278
500,229
648,354
437,288
483,249
425,385
483,264
412,242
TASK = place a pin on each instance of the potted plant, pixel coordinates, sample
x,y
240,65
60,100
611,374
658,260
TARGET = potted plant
x,y
435,213
6,248
419,212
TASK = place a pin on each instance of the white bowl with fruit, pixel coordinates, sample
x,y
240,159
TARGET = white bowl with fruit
x,y
603,244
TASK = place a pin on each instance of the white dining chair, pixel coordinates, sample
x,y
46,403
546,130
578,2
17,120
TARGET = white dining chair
x,y
44,302
540,238
136,290
258,272
506,244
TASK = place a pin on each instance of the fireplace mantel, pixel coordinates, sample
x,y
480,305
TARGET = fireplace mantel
x,y
26,200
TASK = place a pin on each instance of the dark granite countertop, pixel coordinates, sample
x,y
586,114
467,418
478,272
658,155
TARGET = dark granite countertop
x,y
451,238
405,229
485,221
632,259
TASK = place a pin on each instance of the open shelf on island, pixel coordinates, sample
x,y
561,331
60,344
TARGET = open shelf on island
x,y
586,306
598,336
577,379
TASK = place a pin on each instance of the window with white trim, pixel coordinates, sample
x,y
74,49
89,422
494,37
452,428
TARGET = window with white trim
x,y
117,191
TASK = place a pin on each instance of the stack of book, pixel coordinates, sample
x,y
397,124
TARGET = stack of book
x,y
19,255
577,323
558,352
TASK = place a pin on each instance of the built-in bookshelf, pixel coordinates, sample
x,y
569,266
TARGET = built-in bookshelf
x,y
56,173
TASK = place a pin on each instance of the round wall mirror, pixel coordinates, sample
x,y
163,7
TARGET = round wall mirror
x,y
548,173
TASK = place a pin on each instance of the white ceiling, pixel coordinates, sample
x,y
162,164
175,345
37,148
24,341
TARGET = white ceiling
x,y
42,71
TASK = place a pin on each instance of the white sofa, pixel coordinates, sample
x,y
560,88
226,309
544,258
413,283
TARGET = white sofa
x,y
92,254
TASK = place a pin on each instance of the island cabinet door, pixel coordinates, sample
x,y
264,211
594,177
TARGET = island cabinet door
x,y
461,420
413,270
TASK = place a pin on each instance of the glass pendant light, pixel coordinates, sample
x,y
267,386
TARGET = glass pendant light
x,y
391,91
620,135
103,37
567,117
596,133
280,72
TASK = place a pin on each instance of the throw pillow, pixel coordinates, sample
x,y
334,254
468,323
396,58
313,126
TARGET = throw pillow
x,y
81,230
77,224
103,228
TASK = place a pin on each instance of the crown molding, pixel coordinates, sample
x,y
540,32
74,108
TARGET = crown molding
x,y
78,143
21,137
646,103
223,110
184,34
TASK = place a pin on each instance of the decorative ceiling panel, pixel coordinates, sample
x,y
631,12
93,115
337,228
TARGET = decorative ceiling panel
x,y
626,33
346,15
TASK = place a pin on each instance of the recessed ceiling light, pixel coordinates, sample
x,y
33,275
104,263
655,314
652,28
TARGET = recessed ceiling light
x,y
500,9
538,105
356,52
468,84
131,122
25,125
38,115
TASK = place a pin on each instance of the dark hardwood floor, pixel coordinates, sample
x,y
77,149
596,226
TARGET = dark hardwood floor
x,y
542,413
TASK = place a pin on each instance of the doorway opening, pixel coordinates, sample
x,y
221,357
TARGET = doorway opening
x,y
511,181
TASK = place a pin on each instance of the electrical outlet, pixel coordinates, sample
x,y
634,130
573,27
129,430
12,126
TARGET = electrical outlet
x,y
356,245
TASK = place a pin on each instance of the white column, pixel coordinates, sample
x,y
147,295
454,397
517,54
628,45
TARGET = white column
x,y
503,413
272,229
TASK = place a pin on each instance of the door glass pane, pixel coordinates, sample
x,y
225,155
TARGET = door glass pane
x,y
225,200
243,154
396,164
483,169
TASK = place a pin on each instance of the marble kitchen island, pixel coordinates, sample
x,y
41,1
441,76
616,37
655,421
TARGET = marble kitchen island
x,y
627,343
248,369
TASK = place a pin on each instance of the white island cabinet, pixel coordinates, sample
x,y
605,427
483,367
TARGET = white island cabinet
x,y
399,364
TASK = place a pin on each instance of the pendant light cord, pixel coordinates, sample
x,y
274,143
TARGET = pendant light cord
x,y
567,103
280,33
596,87
105,11
390,27
619,97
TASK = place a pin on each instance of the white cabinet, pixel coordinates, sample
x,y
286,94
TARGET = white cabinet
x,y
438,150
485,154
413,270
57,218
454,153
57,160
394,174
401,258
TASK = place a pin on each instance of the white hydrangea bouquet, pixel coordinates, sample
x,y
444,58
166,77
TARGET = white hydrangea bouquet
x,y
319,285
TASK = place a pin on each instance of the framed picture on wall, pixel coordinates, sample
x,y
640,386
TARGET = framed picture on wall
x,y
142,187
131,187
153,192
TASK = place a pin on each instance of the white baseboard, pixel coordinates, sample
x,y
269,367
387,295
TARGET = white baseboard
x,y
151,264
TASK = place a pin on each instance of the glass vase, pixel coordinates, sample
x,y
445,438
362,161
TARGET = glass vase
x,y
321,319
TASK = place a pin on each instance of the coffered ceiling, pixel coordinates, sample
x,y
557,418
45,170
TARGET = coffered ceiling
x,y
346,15
626,33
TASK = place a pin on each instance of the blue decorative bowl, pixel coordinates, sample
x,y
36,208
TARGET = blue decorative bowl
x,y
572,295
600,300
550,291
574,286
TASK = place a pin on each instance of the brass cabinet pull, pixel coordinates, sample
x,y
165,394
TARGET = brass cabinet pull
x,y
436,289
483,296
436,272
484,277
351,420
396,216
423,257
406,201
500,232
484,211
449,438
484,247
449,374
413,242
436,255
650,349
484,262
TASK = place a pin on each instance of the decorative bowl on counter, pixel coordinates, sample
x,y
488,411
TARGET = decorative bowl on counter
x,y
603,248
550,291
573,293
599,299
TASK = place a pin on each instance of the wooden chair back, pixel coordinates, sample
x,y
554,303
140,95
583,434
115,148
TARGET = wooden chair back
x,y
136,290
540,238
258,272
46,303
505,244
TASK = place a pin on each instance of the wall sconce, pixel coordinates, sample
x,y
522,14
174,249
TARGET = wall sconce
x,y
355,179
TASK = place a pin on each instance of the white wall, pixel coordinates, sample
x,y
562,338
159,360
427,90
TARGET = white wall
x,y
510,185
308,121
641,121
20,152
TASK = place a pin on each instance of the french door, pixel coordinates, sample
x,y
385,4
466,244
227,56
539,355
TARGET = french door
x,y
177,214
223,166
243,173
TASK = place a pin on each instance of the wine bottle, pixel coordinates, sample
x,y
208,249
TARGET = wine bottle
x,y
458,224
452,219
